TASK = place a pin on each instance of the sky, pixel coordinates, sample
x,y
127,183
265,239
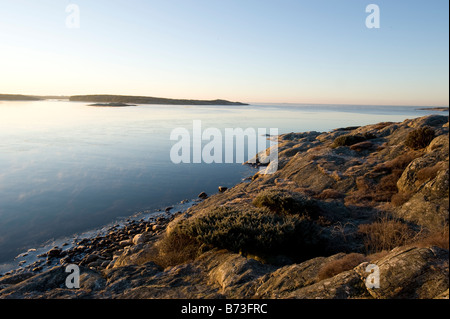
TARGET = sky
x,y
257,51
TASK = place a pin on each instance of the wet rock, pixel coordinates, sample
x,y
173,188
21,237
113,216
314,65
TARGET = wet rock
x,y
66,260
222,189
54,253
90,258
202,195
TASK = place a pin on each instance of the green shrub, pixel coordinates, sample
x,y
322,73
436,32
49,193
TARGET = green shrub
x,y
420,138
257,232
349,139
286,203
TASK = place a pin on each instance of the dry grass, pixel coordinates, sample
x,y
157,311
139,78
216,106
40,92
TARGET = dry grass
x,y
439,238
387,186
400,162
428,173
380,185
382,125
369,191
400,198
175,249
385,234
335,267
363,184
330,194
377,256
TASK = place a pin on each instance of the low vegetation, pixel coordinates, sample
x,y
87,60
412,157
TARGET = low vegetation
x,y
257,232
428,173
385,234
345,263
350,139
286,203
330,194
400,198
175,249
380,185
420,138
438,237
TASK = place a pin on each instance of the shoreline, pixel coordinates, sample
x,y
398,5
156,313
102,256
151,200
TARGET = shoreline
x,y
36,260
331,192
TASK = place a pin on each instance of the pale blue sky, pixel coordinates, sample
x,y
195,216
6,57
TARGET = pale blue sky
x,y
289,51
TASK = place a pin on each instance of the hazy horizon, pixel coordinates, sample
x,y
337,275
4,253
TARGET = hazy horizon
x,y
299,52
249,102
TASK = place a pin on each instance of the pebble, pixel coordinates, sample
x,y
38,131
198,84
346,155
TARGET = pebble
x,y
126,242
99,252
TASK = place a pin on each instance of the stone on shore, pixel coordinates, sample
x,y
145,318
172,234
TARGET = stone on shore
x,y
202,195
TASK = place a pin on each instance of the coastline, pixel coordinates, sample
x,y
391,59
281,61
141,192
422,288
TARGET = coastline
x,y
35,259
336,187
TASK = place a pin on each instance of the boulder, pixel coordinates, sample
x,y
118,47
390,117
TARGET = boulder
x,y
423,212
283,281
412,273
139,239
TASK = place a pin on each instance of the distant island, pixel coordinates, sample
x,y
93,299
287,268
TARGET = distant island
x,y
18,97
111,104
437,108
147,100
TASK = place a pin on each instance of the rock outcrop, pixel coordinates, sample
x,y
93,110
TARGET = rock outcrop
x,y
410,272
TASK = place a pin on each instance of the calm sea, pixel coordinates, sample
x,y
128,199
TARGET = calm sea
x,y
66,167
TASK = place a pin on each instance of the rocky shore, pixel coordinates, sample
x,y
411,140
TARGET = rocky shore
x,y
340,201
